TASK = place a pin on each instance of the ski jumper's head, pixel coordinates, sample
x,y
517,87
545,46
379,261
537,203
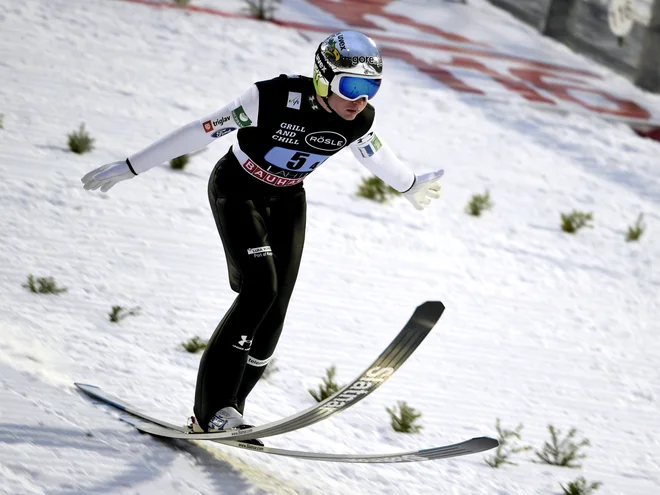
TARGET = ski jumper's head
x,y
348,70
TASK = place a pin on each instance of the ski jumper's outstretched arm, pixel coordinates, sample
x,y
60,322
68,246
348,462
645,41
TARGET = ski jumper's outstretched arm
x,y
242,112
372,152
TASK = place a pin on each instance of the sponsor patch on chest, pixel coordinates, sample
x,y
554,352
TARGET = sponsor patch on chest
x,y
325,140
294,100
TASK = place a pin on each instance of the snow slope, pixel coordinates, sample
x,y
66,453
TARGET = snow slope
x,y
541,327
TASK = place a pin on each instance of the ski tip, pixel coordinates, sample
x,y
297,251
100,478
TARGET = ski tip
x,y
471,446
483,443
432,305
430,310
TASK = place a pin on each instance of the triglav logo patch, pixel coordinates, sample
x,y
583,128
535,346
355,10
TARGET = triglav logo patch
x,y
220,121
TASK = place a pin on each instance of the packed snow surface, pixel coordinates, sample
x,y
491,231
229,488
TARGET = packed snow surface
x,y
541,327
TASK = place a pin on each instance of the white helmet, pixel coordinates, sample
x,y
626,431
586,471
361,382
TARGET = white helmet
x,y
349,64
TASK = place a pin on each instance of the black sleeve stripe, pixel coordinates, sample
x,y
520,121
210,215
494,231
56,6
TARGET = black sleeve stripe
x,y
130,166
411,185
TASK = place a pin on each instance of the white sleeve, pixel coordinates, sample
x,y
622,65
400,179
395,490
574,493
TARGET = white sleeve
x,y
372,152
242,112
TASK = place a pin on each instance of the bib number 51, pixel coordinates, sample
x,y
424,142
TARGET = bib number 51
x,y
299,161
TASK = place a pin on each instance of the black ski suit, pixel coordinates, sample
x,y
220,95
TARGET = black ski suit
x,y
258,202
259,208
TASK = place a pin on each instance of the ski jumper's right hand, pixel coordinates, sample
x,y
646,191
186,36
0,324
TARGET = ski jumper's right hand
x,y
108,175
182,141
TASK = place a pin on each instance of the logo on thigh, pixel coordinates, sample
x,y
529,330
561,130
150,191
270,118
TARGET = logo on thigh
x,y
260,252
243,343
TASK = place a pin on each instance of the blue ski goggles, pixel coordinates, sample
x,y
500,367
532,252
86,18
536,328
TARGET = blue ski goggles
x,y
353,88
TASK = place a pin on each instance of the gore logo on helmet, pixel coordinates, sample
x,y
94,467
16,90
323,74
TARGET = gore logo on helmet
x,y
326,140
362,60
333,53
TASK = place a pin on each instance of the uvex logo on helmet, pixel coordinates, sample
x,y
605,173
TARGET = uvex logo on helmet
x,y
325,140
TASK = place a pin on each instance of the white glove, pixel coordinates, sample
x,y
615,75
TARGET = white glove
x,y
425,188
107,176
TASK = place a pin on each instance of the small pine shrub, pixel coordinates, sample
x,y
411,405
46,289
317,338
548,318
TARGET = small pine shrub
x,y
43,285
375,189
194,345
262,9
507,446
180,162
403,418
575,220
80,141
182,3
118,313
562,452
2,124
635,231
479,203
329,386
271,369
580,487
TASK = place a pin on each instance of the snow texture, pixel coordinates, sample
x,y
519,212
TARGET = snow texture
x,y
541,327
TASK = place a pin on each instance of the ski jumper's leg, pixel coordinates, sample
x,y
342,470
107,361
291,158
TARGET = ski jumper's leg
x,y
245,238
285,220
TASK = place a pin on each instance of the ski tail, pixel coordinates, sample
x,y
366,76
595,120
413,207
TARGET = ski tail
x,y
101,395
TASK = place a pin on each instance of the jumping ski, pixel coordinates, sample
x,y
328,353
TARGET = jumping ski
x,y
147,424
472,446
400,349
420,324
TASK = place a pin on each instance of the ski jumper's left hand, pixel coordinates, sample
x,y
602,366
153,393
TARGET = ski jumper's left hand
x,y
425,188
372,152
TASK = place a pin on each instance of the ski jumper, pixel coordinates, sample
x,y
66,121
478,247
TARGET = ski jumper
x,y
258,201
